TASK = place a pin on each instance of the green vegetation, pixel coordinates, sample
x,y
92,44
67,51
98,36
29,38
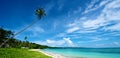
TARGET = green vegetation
x,y
15,43
7,37
20,53
11,47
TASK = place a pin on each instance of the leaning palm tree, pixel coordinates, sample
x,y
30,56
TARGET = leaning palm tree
x,y
39,12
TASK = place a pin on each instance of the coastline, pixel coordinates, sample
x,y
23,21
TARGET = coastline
x,y
49,53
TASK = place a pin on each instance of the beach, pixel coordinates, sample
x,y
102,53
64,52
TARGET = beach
x,y
86,52
81,52
49,53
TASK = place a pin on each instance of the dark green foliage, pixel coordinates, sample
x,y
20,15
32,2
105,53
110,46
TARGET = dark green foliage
x,y
5,33
40,13
15,43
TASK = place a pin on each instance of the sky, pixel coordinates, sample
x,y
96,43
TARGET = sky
x,y
68,23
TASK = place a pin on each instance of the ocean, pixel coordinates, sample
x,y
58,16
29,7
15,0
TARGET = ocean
x,y
87,52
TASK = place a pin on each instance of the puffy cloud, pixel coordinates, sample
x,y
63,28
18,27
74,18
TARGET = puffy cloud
x,y
58,43
53,43
68,41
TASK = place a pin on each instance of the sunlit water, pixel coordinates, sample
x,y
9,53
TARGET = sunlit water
x,y
87,52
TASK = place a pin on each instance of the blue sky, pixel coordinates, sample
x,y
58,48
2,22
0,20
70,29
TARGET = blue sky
x,y
68,23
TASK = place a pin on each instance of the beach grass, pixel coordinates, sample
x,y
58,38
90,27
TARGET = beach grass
x,y
20,53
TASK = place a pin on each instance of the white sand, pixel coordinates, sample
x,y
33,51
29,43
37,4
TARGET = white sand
x,y
49,53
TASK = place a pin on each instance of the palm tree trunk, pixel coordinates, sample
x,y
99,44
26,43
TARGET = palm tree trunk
x,y
20,31
39,12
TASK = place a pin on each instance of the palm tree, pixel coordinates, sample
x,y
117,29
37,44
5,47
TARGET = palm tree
x,y
39,12
25,38
25,41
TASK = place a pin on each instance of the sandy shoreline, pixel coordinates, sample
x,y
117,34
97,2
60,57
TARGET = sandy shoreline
x,y
49,53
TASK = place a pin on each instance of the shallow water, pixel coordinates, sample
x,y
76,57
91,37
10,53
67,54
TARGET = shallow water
x,y
87,52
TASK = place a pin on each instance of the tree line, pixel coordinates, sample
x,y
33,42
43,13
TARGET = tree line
x,y
15,43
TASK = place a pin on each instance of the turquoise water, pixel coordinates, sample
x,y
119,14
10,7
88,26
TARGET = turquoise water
x,y
87,52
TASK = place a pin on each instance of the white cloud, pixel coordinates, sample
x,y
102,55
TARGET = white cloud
x,y
90,24
53,43
77,26
93,24
85,31
74,23
58,43
104,2
77,22
109,13
114,4
70,30
68,41
50,41
92,6
115,27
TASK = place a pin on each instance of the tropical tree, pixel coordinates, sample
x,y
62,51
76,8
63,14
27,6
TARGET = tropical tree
x,y
39,12
4,35
25,38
